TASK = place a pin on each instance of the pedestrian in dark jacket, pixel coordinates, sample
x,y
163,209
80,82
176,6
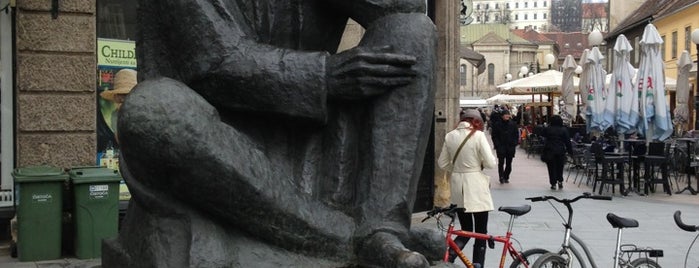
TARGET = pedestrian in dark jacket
x,y
505,137
557,143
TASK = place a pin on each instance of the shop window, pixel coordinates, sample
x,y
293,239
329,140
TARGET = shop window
x,y
116,19
116,51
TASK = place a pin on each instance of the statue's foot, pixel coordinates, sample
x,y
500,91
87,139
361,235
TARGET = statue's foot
x,y
386,250
428,242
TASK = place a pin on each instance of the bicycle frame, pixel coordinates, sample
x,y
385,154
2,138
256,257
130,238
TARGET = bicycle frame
x,y
505,240
569,251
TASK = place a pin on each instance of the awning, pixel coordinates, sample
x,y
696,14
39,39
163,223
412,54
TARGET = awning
x,y
473,103
475,58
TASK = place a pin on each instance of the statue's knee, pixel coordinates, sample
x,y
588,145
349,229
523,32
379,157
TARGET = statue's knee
x,y
154,105
400,28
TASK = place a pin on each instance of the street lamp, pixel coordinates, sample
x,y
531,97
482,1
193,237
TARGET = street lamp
x,y
549,59
508,77
595,38
523,71
695,40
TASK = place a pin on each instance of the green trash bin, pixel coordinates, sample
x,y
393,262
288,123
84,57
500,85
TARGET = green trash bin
x,y
39,212
96,213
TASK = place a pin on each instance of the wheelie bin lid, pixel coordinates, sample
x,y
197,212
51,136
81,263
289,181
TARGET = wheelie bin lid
x,y
81,175
39,174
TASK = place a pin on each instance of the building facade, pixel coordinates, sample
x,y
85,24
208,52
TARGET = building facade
x,y
566,15
504,52
517,14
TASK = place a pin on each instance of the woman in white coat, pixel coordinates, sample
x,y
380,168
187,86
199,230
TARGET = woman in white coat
x,y
466,152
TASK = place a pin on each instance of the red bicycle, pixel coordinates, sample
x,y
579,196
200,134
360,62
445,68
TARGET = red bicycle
x,y
520,259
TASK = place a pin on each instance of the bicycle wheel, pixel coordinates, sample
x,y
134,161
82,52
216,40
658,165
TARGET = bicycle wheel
x,y
644,263
550,260
530,256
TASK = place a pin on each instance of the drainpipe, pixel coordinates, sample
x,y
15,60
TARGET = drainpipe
x,y
6,97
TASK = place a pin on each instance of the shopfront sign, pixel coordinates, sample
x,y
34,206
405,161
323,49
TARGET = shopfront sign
x,y
116,53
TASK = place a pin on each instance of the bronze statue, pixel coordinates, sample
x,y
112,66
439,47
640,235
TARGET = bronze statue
x,y
249,140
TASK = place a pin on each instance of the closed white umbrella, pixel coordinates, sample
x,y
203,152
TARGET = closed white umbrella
x,y
684,65
622,109
655,113
583,88
596,92
568,90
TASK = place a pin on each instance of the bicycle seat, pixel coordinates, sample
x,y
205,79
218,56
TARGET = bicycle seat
x,y
516,211
619,222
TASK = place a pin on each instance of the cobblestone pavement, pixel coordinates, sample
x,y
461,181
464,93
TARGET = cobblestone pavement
x,y
542,227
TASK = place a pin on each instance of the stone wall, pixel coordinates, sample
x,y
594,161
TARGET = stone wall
x,y
56,78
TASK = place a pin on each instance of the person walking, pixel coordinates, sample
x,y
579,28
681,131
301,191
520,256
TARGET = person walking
x,y
556,144
505,137
466,153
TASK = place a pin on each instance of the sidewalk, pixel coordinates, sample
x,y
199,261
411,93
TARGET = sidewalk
x,y
542,227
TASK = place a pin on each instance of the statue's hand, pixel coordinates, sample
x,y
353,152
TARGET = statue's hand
x,y
363,72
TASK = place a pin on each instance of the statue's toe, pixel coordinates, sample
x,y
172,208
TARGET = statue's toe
x,y
411,259
386,250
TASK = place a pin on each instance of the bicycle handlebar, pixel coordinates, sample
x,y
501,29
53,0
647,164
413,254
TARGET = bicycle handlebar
x,y
449,211
682,225
568,201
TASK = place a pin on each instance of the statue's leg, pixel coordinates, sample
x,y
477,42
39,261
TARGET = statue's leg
x,y
400,125
175,143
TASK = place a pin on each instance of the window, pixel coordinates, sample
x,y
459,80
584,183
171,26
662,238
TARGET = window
x,y
478,6
497,6
673,52
462,72
534,3
688,38
517,5
544,14
526,4
526,16
487,6
636,50
663,48
507,5
544,3
491,74
534,15
516,16
534,27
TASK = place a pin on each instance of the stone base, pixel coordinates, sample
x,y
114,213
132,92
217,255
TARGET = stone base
x,y
174,235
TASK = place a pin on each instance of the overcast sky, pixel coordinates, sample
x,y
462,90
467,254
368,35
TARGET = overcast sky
x,y
594,1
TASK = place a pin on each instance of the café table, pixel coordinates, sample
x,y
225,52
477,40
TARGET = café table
x,y
634,163
612,175
690,142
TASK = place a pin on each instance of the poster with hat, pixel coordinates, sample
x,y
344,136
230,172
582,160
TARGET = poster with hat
x,y
116,76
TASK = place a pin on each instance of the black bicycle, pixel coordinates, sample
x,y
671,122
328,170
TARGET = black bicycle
x,y
688,228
